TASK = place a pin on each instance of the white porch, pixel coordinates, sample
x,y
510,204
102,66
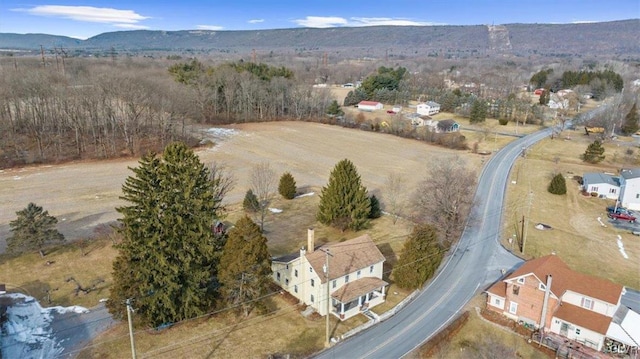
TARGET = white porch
x,y
357,296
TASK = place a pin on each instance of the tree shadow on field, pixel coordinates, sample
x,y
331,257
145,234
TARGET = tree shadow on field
x,y
391,259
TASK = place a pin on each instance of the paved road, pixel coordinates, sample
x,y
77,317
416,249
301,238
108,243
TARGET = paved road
x,y
475,264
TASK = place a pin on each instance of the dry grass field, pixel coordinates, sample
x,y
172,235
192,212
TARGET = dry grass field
x,y
577,235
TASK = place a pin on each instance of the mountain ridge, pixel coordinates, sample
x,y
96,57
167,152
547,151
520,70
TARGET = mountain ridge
x,y
608,39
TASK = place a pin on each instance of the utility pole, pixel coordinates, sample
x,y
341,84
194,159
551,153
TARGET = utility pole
x,y
133,345
42,54
327,341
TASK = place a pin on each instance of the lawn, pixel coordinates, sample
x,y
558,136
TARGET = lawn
x,y
577,235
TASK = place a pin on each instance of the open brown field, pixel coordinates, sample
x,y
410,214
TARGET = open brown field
x,y
84,194
577,236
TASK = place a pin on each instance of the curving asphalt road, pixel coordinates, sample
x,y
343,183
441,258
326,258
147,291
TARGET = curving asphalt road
x,y
476,263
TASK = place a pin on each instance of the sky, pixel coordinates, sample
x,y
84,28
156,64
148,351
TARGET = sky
x,y
84,19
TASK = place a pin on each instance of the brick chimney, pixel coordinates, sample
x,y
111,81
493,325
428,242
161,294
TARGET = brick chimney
x,y
310,240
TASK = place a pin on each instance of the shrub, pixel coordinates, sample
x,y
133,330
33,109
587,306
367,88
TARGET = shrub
x,y
503,121
287,186
558,185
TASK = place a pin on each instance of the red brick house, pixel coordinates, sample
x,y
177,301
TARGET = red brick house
x,y
546,293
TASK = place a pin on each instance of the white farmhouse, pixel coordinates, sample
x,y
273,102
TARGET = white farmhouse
x,y
630,188
428,108
605,185
355,276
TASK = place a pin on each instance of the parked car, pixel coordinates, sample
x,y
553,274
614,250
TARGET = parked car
x,y
615,209
622,216
391,112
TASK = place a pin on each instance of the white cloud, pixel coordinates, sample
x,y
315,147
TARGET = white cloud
x,y
131,26
583,21
378,21
86,14
209,27
321,21
255,21
334,21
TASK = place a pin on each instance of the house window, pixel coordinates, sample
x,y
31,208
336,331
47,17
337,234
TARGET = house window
x,y
278,276
516,290
312,298
637,195
587,303
286,281
359,273
594,189
513,308
542,286
287,266
295,288
310,269
313,282
295,273
346,278
577,331
612,190
497,302
521,280
371,269
334,284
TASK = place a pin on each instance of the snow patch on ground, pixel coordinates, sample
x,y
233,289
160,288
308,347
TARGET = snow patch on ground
x,y
26,332
621,247
305,195
275,210
216,132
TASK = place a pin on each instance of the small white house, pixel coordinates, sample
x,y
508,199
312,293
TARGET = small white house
x,y
353,277
605,185
370,106
428,108
630,188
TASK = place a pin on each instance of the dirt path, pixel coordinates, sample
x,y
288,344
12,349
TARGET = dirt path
x,y
85,194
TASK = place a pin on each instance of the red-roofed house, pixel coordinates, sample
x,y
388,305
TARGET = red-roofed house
x,y
355,276
546,292
370,106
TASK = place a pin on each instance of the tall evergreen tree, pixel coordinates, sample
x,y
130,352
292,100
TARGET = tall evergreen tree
x,y
334,109
245,266
376,212
594,152
420,258
33,230
558,185
478,111
287,186
169,255
630,125
344,202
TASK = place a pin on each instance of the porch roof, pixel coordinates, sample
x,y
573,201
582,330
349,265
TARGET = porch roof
x,y
583,317
353,290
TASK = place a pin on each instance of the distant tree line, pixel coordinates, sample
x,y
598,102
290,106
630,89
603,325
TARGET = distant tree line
x,y
102,112
247,92
601,83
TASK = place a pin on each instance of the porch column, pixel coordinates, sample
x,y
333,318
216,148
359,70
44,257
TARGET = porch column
x,y
341,308
367,297
382,291
359,300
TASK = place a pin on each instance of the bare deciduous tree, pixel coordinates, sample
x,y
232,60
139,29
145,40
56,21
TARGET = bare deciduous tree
x,y
222,181
393,196
263,184
445,196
